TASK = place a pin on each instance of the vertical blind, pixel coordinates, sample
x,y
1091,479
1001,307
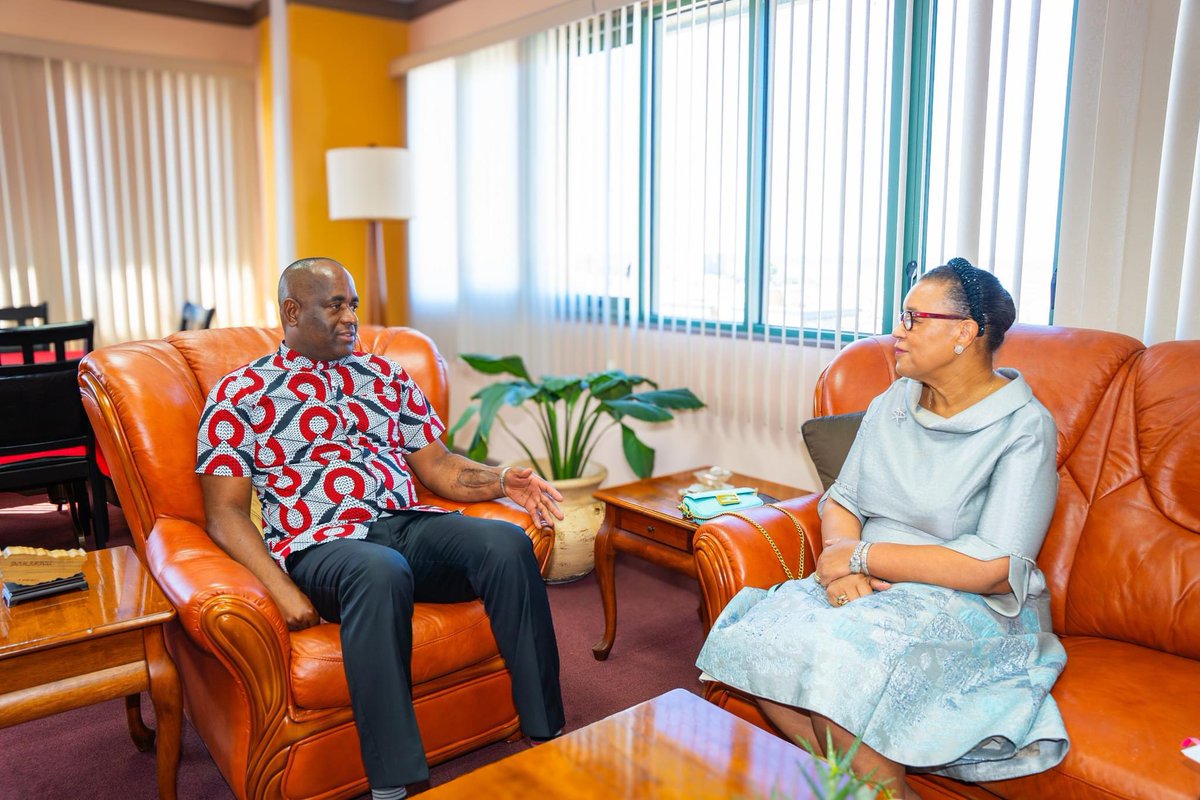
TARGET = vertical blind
x,y
1130,254
125,191
711,193
999,75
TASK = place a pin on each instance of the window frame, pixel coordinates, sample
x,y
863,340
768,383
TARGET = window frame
x,y
914,50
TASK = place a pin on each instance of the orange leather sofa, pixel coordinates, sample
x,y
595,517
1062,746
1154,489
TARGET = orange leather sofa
x,y
1122,557
272,706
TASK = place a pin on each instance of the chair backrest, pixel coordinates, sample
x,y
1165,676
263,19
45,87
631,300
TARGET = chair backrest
x,y
1077,374
41,408
1135,572
24,315
195,317
41,337
145,400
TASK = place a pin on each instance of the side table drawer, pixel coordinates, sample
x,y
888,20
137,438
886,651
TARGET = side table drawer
x,y
677,535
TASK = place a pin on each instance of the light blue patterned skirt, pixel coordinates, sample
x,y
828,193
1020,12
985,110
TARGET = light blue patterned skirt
x,y
930,677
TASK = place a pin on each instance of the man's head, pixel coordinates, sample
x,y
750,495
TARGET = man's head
x,y
318,306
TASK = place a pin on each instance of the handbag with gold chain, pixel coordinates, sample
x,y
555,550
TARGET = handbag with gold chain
x,y
771,541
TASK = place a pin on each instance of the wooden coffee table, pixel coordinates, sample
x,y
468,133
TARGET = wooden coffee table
x,y
642,518
84,647
674,746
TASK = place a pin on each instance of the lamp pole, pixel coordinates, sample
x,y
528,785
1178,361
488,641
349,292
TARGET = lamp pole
x,y
376,274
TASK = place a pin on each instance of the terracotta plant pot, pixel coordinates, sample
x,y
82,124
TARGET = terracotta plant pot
x,y
573,555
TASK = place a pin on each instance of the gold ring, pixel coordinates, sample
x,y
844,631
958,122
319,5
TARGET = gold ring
x,y
842,599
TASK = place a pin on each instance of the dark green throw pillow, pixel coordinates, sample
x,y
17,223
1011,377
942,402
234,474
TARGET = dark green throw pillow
x,y
828,440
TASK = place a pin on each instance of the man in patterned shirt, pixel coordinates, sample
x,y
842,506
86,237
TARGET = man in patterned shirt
x,y
328,438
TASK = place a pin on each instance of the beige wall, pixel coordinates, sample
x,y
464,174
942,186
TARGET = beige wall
x,y
468,25
83,25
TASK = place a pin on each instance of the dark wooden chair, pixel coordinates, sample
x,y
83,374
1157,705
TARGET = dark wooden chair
x,y
24,315
45,436
21,316
195,317
56,335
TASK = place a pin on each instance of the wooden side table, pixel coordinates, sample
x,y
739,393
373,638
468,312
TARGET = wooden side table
x,y
79,648
643,519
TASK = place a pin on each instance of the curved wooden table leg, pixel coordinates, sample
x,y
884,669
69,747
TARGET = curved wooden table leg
x,y
143,737
606,553
167,695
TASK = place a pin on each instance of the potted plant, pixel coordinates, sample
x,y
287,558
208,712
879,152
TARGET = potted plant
x,y
571,415
835,780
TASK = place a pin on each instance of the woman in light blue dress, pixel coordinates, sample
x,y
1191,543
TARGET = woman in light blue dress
x,y
925,628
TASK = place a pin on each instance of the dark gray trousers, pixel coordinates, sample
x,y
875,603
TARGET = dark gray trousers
x,y
369,586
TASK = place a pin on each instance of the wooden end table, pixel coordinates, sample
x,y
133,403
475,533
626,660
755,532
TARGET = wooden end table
x,y
643,519
674,746
79,648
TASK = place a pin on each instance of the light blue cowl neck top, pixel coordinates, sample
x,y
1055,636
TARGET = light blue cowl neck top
x,y
983,482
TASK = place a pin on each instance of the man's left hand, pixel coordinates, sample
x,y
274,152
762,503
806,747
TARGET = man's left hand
x,y
533,493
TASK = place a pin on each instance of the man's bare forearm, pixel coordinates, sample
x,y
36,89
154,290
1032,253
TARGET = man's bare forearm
x,y
236,535
455,477
472,481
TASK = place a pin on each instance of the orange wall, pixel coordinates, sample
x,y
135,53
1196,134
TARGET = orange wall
x,y
342,96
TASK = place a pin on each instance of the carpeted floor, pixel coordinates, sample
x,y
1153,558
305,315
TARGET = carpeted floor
x,y
88,753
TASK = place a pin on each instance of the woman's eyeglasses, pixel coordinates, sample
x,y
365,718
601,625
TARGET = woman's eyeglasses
x,y
907,317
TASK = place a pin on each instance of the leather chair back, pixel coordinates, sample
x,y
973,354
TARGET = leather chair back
x,y
160,387
1136,571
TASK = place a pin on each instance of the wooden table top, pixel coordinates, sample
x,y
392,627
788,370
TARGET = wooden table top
x,y
660,496
120,596
674,746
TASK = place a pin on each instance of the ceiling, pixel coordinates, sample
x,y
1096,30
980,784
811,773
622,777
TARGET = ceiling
x,y
247,12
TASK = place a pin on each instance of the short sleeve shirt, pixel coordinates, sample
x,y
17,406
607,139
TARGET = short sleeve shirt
x,y
323,442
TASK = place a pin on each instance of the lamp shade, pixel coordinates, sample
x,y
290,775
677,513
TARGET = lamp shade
x,y
369,183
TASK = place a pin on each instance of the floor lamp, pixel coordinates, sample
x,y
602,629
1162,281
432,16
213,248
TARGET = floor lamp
x,y
372,184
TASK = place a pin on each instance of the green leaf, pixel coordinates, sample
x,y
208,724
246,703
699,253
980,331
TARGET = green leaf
x,y
463,420
479,448
670,398
497,365
614,383
638,454
632,407
491,398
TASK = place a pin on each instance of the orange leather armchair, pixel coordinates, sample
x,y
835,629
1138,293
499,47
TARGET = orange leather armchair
x,y
1122,557
271,705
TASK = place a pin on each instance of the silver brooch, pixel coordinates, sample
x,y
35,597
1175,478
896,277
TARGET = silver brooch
x,y
899,415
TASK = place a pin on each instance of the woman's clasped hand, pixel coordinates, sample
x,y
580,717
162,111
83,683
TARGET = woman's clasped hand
x,y
833,574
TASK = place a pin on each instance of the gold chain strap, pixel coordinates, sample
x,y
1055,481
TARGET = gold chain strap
x,y
799,530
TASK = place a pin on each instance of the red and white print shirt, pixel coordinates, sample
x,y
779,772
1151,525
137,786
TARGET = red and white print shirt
x,y
323,443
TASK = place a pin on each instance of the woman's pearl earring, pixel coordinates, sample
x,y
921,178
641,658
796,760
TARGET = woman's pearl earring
x,y
958,349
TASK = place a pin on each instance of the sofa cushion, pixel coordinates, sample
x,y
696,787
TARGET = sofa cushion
x,y
828,440
446,637
1126,709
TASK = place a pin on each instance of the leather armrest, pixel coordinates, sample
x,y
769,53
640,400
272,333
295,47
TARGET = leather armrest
x,y
731,554
205,584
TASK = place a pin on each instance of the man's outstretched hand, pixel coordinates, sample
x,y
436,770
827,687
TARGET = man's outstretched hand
x,y
531,491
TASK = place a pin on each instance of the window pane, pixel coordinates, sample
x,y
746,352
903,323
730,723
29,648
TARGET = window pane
x,y
700,152
828,164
